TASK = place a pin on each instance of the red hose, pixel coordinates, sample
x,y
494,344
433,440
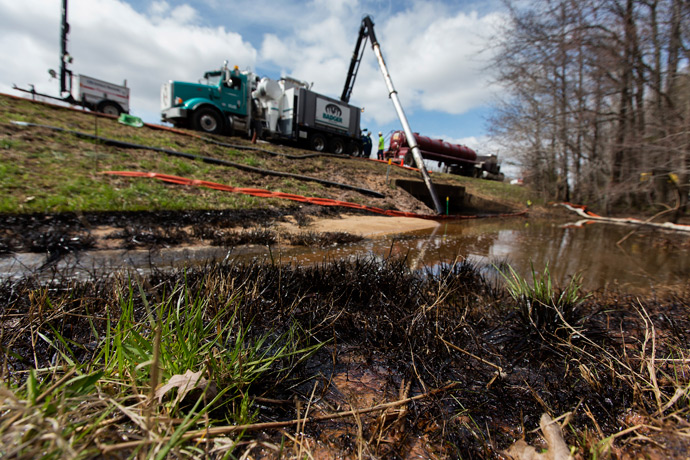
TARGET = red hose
x,y
289,196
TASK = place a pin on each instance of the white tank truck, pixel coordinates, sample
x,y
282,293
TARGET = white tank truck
x,y
227,101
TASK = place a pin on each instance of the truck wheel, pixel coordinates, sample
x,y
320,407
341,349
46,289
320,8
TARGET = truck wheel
x,y
355,150
317,142
207,120
337,146
109,108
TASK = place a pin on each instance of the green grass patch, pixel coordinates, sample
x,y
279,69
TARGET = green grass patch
x,y
544,308
173,358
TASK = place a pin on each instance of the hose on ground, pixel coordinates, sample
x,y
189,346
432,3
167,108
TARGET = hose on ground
x,y
247,147
261,193
210,160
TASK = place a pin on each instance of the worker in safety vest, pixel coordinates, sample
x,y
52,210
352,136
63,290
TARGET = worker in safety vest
x,y
379,154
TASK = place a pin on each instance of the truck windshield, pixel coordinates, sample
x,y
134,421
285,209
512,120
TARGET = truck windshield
x,y
212,78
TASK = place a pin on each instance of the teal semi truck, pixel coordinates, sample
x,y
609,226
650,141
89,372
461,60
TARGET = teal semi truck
x,y
229,101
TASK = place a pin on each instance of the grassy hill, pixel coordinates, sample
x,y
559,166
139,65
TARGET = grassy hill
x,y
47,171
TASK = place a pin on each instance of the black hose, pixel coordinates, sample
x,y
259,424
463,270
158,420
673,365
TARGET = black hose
x,y
270,152
209,160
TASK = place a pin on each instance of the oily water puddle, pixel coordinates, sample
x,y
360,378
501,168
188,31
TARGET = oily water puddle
x,y
607,256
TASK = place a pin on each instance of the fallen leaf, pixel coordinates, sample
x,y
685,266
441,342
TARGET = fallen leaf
x,y
558,449
185,383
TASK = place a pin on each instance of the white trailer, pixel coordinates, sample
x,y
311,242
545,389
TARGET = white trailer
x,y
89,92
100,95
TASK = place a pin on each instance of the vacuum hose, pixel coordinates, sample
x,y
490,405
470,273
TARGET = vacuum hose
x,y
210,160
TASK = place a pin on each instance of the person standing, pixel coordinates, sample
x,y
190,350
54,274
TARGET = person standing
x,y
379,154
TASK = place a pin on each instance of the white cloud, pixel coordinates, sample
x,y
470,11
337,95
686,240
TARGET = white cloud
x,y
184,14
435,54
158,9
110,40
433,50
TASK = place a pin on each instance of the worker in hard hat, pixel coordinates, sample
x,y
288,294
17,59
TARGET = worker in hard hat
x,y
379,154
367,144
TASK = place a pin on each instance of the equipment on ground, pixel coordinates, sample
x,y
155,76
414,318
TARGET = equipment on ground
x,y
453,158
230,100
91,93
366,31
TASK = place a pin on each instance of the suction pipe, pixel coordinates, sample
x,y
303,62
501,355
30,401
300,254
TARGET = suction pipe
x,y
393,94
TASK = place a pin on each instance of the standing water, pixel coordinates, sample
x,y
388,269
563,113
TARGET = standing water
x,y
606,256
600,253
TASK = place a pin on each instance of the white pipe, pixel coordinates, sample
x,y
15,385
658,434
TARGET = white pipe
x,y
411,141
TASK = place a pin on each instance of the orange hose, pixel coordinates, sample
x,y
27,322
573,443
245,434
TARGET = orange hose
x,y
262,193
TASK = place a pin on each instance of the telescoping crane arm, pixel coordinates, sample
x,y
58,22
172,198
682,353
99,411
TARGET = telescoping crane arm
x,y
366,31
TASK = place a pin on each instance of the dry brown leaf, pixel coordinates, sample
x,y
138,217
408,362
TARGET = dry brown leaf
x,y
185,383
557,448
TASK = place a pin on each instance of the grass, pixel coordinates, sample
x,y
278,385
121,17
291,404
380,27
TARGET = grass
x,y
37,163
543,307
232,360
499,191
150,364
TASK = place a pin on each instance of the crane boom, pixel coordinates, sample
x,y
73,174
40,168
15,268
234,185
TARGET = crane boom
x,y
65,74
367,31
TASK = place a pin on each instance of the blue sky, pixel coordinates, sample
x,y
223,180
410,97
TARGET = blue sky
x,y
437,51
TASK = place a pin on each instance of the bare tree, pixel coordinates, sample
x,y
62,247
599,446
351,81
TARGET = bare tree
x,y
595,107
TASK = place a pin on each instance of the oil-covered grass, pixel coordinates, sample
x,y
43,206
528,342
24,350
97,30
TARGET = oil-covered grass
x,y
238,359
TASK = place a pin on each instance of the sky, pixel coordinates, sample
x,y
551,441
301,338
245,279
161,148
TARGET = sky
x,y
437,52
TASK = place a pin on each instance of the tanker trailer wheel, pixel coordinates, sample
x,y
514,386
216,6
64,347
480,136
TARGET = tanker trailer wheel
x,y
338,145
207,120
317,142
109,108
409,159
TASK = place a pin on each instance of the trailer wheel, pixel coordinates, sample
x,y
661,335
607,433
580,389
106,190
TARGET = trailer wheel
x,y
109,108
337,146
409,159
207,120
317,142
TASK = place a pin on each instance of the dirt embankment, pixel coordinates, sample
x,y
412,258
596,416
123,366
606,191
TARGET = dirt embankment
x,y
57,199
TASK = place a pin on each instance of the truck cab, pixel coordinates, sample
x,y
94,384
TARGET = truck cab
x,y
219,103
287,110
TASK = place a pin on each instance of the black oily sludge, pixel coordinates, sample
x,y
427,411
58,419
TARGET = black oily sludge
x,y
64,233
425,330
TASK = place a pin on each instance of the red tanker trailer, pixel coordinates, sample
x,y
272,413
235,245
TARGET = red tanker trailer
x,y
453,158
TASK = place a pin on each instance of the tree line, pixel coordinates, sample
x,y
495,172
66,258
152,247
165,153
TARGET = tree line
x,y
598,103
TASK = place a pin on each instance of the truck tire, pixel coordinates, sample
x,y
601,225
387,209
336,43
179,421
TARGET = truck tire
x,y
109,108
317,142
355,149
207,120
337,146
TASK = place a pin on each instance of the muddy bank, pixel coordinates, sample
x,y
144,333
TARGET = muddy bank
x,y
68,232
59,234
481,366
